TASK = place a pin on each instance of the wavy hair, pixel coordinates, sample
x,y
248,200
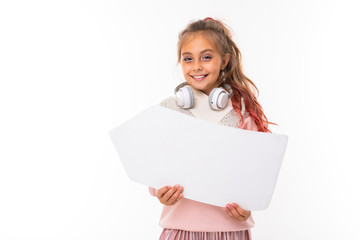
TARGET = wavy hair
x,y
242,86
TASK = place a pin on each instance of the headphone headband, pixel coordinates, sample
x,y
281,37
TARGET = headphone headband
x,y
218,97
225,85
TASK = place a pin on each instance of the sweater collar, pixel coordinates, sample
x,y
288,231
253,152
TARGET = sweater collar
x,y
202,110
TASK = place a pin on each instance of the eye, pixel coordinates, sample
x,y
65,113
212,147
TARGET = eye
x,y
187,59
207,57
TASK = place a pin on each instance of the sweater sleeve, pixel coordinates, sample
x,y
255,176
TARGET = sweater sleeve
x,y
153,191
249,124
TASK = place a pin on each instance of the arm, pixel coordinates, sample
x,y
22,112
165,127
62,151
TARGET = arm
x,y
249,124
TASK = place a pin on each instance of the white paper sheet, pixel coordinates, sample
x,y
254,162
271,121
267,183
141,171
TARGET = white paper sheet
x,y
216,164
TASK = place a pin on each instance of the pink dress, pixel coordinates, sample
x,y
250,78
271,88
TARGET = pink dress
x,y
176,234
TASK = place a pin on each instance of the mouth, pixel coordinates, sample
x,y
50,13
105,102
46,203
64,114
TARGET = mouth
x,y
199,77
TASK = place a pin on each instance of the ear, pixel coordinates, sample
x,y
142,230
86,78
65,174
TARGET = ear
x,y
225,61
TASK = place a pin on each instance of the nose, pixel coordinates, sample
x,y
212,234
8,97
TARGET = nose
x,y
197,66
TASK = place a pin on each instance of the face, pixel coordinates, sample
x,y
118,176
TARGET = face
x,y
201,63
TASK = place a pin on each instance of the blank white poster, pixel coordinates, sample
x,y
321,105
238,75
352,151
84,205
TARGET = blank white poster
x,y
216,164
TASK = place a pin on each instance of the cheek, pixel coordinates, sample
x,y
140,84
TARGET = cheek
x,y
213,67
185,68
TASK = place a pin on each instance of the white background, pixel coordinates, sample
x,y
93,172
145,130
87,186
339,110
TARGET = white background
x,y
71,71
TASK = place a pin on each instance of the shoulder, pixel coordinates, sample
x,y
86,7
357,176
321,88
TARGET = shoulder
x,y
170,102
249,124
233,119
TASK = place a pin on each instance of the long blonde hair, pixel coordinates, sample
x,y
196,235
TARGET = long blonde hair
x,y
242,86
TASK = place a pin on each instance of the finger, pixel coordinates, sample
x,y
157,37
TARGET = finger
x,y
176,195
228,212
236,214
162,191
234,218
242,211
169,193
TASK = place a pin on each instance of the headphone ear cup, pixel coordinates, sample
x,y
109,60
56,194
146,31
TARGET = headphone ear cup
x,y
218,98
185,97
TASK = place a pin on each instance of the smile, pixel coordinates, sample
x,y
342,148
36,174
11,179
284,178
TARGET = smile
x,y
199,77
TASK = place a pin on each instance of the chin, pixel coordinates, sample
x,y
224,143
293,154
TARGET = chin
x,y
200,85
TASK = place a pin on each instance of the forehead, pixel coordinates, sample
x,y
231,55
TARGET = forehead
x,y
198,42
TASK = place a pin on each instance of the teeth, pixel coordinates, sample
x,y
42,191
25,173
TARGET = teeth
x,y
199,76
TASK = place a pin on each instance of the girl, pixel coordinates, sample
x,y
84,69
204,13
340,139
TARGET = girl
x,y
211,64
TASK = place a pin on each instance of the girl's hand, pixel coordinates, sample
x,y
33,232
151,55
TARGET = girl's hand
x,y
170,195
237,213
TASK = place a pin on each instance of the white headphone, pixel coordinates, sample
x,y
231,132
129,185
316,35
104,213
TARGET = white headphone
x,y
218,98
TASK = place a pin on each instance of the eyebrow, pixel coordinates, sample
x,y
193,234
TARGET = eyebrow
x,y
200,52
